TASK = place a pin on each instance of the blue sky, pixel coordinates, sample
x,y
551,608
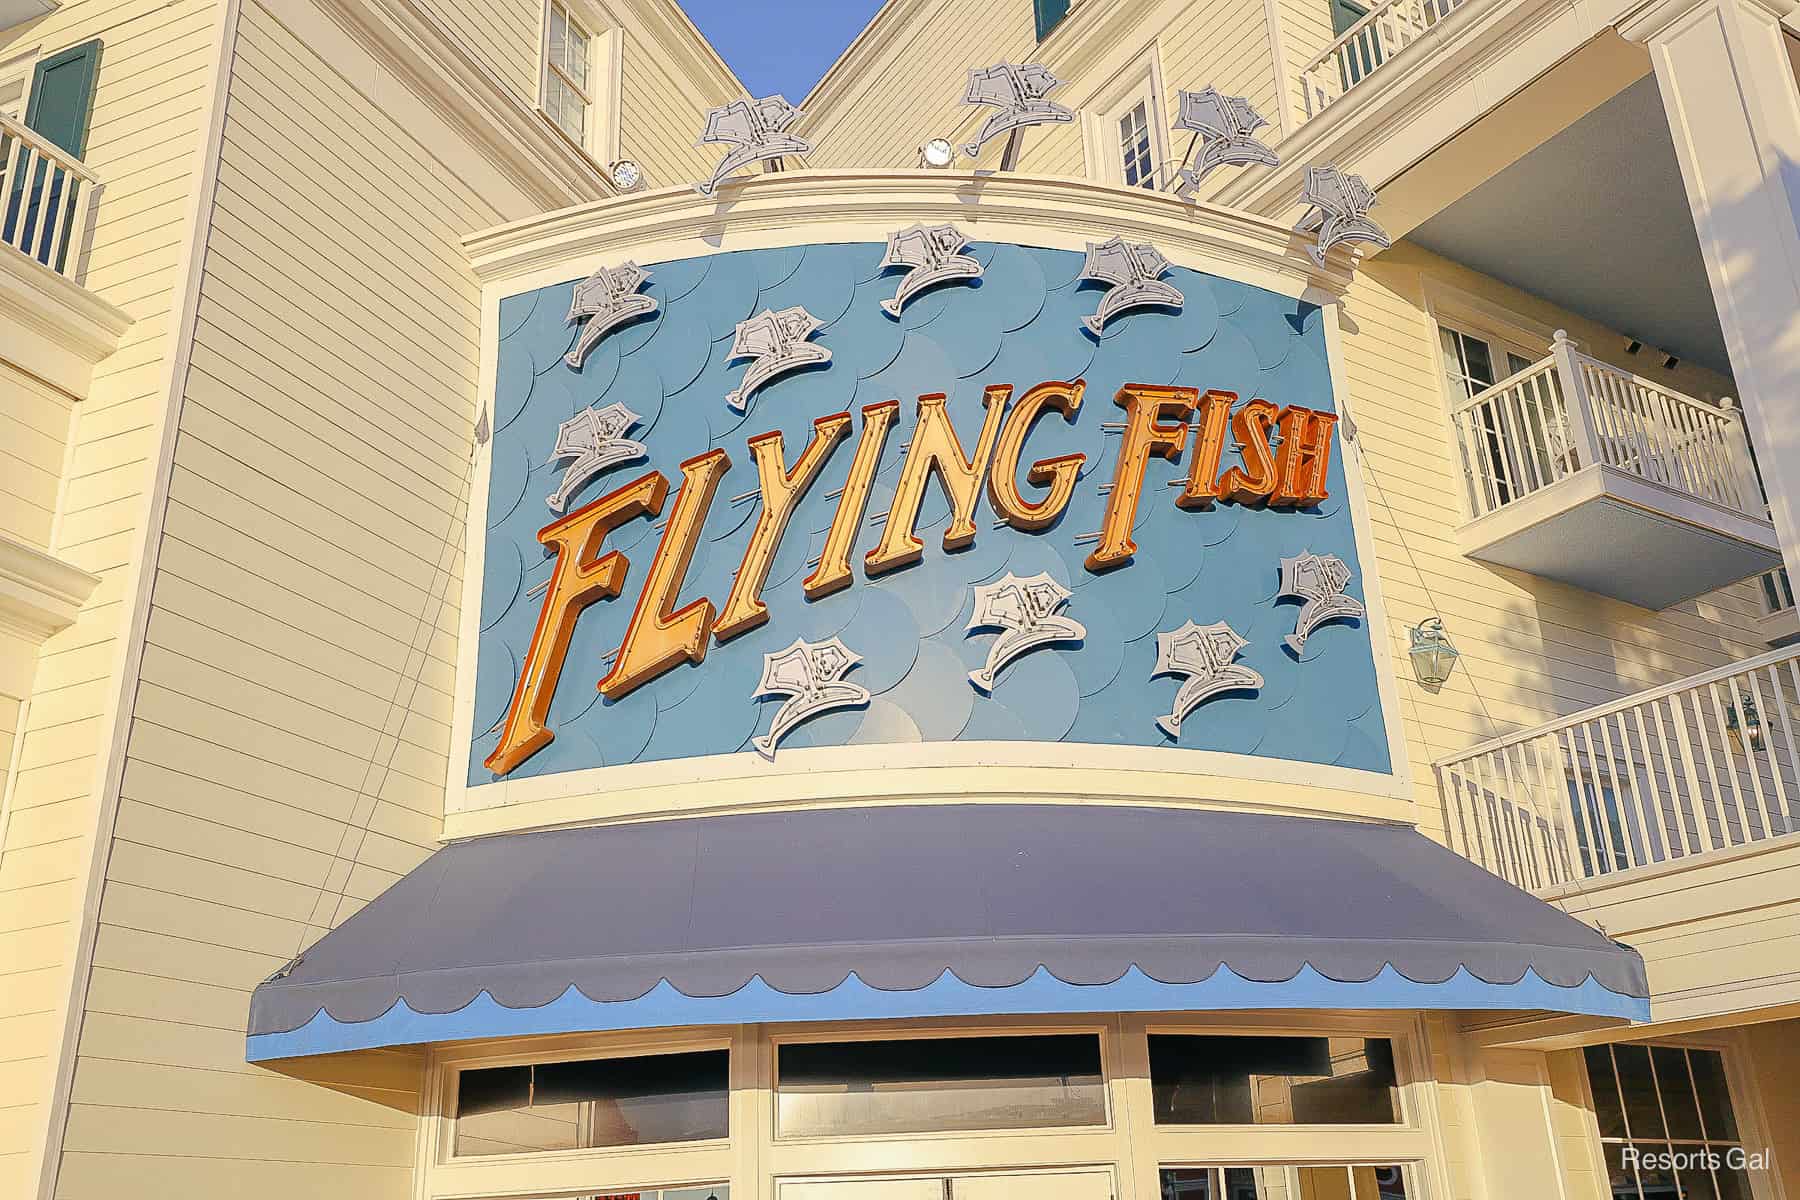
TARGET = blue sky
x,y
780,45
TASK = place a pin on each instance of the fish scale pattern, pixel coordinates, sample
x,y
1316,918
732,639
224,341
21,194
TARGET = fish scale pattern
x,y
1019,324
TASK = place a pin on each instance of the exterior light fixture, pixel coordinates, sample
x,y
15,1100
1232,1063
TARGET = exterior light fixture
x,y
937,154
1671,361
1744,729
626,175
1433,657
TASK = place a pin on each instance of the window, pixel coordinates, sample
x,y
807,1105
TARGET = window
x,y
1472,364
1587,798
592,1102
1656,1107
15,78
1049,15
1284,1183
1135,162
1666,1122
568,95
1212,1080
927,1085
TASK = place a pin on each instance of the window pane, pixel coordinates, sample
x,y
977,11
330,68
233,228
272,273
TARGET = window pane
x,y
559,34
1134,147
1715,1098
833,1089
1677,1092
1608,1111
597,1102
578,57
1732,1184
1655,1180
1203,1080
1696,1183
1643,1116
1188,1183
1622,1178
1479,362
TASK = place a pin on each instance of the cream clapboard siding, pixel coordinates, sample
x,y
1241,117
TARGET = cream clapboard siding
x,y
1531,648
661,113
287,754
35,421
860,117
1305,34
503,34
904,84
144,143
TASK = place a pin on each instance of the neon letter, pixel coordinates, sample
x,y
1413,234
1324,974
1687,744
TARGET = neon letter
x,y
578,579
1146,406
1209,445
1304,457
935,449
833,571
1056,474
781,493
658,639
1255,480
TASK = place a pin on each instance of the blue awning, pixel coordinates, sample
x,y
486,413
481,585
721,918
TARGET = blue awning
x,y
931,910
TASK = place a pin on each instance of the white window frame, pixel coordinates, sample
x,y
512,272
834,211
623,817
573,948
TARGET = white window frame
x,y
21,68
600,129
1138,82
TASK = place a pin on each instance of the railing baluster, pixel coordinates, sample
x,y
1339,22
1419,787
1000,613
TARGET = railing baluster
x,y
1690,843
1774,817
1616,842
1787,733
1554,801
1637,840
1737,795
1654,800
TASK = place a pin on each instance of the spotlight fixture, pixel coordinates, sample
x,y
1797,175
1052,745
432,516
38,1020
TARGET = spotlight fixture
x,y
1632,345
937,154
1670,362
626,175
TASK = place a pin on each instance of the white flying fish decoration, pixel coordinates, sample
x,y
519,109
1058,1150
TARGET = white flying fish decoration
x,y
934,254
755,129
1337,211
1026,613
606,300
1018,91
1203,655
1226,127
1320,580
1134,270
811,676
777,342
593,441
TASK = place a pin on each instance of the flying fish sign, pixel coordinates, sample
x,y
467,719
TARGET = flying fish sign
x,y
1032,495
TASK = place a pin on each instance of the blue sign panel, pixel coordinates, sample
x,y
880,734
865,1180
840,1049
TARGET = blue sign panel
x,y
1302,686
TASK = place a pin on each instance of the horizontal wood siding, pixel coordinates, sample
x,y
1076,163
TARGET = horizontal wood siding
x,y
144,143
35,421
286,761
503,35
661,116
1532,649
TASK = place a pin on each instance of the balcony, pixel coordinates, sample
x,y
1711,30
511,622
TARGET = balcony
x,y
46,198
1578,471
1366,47
1702,765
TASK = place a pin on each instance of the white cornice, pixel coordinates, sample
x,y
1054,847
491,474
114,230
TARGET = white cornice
x,y
841,205
1372,113
436,65
39,593
1647,21
52,327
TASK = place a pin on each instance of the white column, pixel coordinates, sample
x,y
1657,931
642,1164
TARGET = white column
x,y
1728,87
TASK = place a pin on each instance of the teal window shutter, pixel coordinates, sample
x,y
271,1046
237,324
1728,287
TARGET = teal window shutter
x,y
39,211
62,96
1049,14
1344,14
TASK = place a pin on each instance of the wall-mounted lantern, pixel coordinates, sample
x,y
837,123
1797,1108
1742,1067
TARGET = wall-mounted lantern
x,y
1747,728
1433,656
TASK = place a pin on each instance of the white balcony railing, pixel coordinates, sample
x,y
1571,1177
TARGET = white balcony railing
x,y
45,197
1702,764
1569,412
1361,49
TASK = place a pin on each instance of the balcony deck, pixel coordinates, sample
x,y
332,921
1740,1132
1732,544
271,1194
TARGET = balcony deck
x,y
46,198
1578,471
1704,764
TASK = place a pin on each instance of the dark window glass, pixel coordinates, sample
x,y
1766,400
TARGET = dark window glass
x,y
1209,1080
1621,1178
1715,1097
1655,1181
923,1085
1049,14
1283,1183
1643,1115
1696,1183
1732,1184
636,1101
1677,1091
1608,1112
